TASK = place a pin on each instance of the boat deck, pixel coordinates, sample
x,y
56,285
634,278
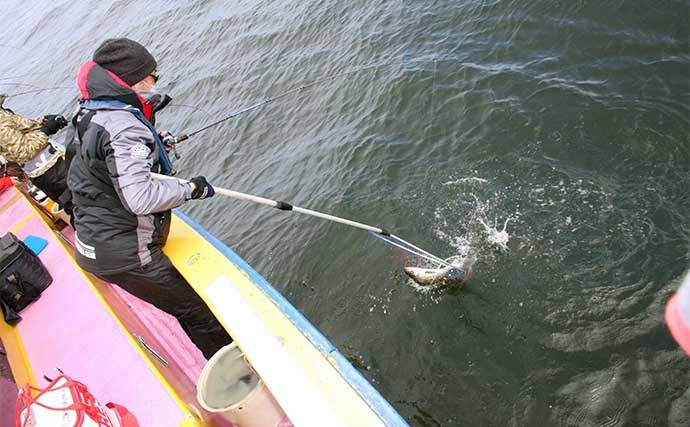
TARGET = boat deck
x,y
130,353
72,328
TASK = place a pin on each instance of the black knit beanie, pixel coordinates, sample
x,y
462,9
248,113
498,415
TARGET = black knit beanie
x,y
126,58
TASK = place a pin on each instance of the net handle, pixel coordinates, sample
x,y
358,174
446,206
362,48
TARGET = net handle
x,y
285,206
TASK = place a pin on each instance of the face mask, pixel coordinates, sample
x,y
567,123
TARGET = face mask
x,y
157,99
150,94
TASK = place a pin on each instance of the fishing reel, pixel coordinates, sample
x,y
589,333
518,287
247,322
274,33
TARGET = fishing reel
x,y
170,141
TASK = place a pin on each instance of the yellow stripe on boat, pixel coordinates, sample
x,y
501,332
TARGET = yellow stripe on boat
x,y
9,335
16,354
303,379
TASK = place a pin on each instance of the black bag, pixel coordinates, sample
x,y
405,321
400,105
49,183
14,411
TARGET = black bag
x,y
22,277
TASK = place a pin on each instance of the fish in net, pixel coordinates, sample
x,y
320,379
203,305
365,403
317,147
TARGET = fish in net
x,y
427,269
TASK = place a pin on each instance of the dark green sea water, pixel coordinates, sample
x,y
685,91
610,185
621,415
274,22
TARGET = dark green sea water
x,y
569,117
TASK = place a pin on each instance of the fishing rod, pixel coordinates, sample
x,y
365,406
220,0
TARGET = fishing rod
x,y
18,84
25,75
192,107
184,137
285,206
38,90
12,47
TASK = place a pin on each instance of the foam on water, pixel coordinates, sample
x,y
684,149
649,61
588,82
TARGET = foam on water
x,y
497,237
468,179
474,213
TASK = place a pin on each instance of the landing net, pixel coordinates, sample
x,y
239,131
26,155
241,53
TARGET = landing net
x,y
409,255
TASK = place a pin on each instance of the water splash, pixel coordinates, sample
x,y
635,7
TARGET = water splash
x,y
474,215
497,237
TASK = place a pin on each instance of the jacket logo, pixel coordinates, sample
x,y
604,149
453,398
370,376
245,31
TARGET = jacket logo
x,y
140,151
84,249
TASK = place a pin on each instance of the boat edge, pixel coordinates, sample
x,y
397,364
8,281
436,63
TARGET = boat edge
x,y
357,381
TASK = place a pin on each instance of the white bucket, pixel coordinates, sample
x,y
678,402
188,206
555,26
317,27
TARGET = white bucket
x,y
228,386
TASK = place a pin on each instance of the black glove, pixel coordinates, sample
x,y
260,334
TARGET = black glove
x,y
202,189
53,123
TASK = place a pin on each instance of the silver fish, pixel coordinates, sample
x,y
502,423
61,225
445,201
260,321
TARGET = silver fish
x,y
454,274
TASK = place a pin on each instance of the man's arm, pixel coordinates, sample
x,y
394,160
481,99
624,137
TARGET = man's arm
x,y
129,159
20,139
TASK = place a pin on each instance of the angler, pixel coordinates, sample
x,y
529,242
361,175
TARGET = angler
x,y
29,146
122,215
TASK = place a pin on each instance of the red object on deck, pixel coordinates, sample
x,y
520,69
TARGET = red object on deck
x,y
72,401
5,182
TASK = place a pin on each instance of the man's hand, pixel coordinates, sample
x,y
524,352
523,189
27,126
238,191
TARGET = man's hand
x,y
201,189
53,123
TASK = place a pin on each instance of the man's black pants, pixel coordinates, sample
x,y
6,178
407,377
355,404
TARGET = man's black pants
x,y
161,285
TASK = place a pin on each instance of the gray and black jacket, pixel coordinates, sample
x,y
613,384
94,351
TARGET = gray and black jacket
x,y
121,214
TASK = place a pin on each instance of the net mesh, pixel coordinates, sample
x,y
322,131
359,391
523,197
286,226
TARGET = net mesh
x,y
408,255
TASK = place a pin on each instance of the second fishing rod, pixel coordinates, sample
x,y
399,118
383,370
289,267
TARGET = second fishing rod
x,y
174,140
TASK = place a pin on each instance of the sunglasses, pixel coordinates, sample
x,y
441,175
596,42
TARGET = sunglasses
x,y
155,77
